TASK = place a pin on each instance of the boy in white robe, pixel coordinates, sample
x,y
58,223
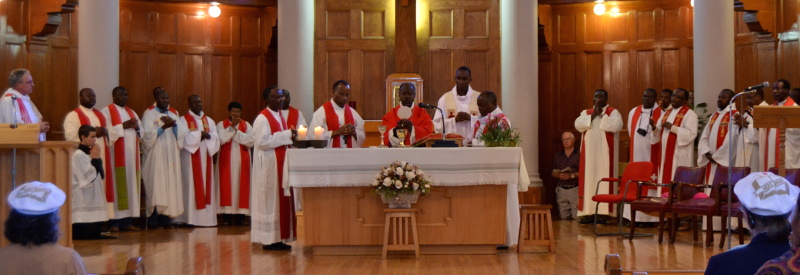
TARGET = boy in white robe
x,y
88,199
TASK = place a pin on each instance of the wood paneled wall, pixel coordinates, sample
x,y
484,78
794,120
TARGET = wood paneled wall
x,y
355,42
176,47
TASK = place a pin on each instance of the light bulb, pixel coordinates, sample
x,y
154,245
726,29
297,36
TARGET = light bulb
x,y
214,10
599,8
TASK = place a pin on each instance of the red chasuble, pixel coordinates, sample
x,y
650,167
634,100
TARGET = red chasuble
x,y
777,142
423,124
332,121
611,151
120,171
107,165
225,196
286,204
672,140
200,197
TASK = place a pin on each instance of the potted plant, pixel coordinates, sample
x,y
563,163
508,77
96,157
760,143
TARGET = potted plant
x,y
400,184
498,133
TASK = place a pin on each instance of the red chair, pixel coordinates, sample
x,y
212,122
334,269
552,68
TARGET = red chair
x,y
711,206
792,175
626,192
663,205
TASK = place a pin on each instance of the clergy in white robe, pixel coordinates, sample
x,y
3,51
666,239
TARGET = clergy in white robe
x,y
640,147
234,165
771,148
460,105
747,148
197,170
86,114
161,171
16,105
489,111
714,147
272,214
676,131
88,198
125,173
342,126
600,128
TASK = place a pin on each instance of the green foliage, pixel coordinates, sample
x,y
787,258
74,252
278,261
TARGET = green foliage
x,y
498,134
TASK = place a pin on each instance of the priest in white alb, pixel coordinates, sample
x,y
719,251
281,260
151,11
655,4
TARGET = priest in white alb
x,y
715,146
460,105
125,173
272,214
747,149
16,105
600,128
161,170
771,148
197,168
342,126
676,131
640,147
233,166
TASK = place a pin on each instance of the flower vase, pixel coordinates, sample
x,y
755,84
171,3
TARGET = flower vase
x,y
401,201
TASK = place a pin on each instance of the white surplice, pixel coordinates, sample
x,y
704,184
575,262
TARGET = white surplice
x,y
747,153
131,146
236,138
641,152
88,198
319,119
683,153
465,104
190,143
161,171
265,188
9,108
792,145
71,125
596,153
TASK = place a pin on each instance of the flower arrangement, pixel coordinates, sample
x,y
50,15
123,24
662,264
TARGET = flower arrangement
x,y
498,133
401,177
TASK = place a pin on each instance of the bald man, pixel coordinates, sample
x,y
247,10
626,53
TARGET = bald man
x,y
565,169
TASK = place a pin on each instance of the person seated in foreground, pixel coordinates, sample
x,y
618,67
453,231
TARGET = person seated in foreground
x,y
418,125
32,229
767,200
490,114
789,262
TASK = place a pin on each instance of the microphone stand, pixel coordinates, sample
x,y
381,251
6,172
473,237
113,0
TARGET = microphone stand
x,y
14,150
730,162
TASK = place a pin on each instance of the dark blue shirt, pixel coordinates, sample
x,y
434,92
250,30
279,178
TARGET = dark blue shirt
x,y
748,259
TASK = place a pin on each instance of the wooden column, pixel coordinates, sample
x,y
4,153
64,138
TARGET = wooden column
x,y
405,54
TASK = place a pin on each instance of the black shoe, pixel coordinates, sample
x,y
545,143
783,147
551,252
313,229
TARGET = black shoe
x,y
277,246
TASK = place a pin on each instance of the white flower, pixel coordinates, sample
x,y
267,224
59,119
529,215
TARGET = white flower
x,y
427,186
420,172
378,176
409,167
398,171
416,186
398,184
387,181
403,163
410,175
376,183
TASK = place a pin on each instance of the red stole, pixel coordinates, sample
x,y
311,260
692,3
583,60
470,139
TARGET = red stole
x,y
292,118
333,123
669,152
202,194
722,132
225,196
655,149
23,111
120,178
423,125
107,163
777,142
286,204
611,164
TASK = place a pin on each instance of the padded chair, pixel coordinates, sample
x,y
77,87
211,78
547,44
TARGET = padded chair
x,y
792,175
663,205
711,206
634,173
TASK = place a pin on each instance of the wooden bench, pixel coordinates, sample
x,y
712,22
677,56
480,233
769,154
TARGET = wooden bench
x,y
613,266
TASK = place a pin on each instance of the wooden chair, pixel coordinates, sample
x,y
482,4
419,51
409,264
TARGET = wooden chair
x,y
399,224
613,266
662,205
536,228
635,173
711,206
135,266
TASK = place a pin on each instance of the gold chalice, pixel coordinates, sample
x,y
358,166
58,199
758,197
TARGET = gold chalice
x,y
401,134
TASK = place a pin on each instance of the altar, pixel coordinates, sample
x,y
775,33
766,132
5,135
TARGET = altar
x,y
472,208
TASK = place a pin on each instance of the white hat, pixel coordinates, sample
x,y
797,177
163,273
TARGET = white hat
x,y
36,198
766,194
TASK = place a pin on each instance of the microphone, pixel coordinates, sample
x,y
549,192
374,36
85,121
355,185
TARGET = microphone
x,y
427,106
14,101
762,85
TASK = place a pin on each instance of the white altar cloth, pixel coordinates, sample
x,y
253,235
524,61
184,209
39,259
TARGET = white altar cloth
x,y
443,166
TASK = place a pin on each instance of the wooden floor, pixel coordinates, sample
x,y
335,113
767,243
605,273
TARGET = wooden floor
x,y
227,250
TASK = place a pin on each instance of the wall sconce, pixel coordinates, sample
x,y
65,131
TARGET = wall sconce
x,y
214,10
599,7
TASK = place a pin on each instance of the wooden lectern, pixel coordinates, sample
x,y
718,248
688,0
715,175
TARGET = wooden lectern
x,y
47,161
777,117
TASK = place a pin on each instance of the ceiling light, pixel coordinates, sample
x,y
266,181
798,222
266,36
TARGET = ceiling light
x,y
599,7
214,10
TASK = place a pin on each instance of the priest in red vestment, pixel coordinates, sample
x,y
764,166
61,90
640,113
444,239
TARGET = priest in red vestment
x,y
419,125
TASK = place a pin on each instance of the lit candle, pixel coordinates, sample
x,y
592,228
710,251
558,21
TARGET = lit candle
x,y
318,132
301,132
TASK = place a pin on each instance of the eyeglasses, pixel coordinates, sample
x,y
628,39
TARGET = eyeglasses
x,y
28,82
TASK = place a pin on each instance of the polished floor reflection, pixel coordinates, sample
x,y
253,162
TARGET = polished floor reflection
x,y
227,250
